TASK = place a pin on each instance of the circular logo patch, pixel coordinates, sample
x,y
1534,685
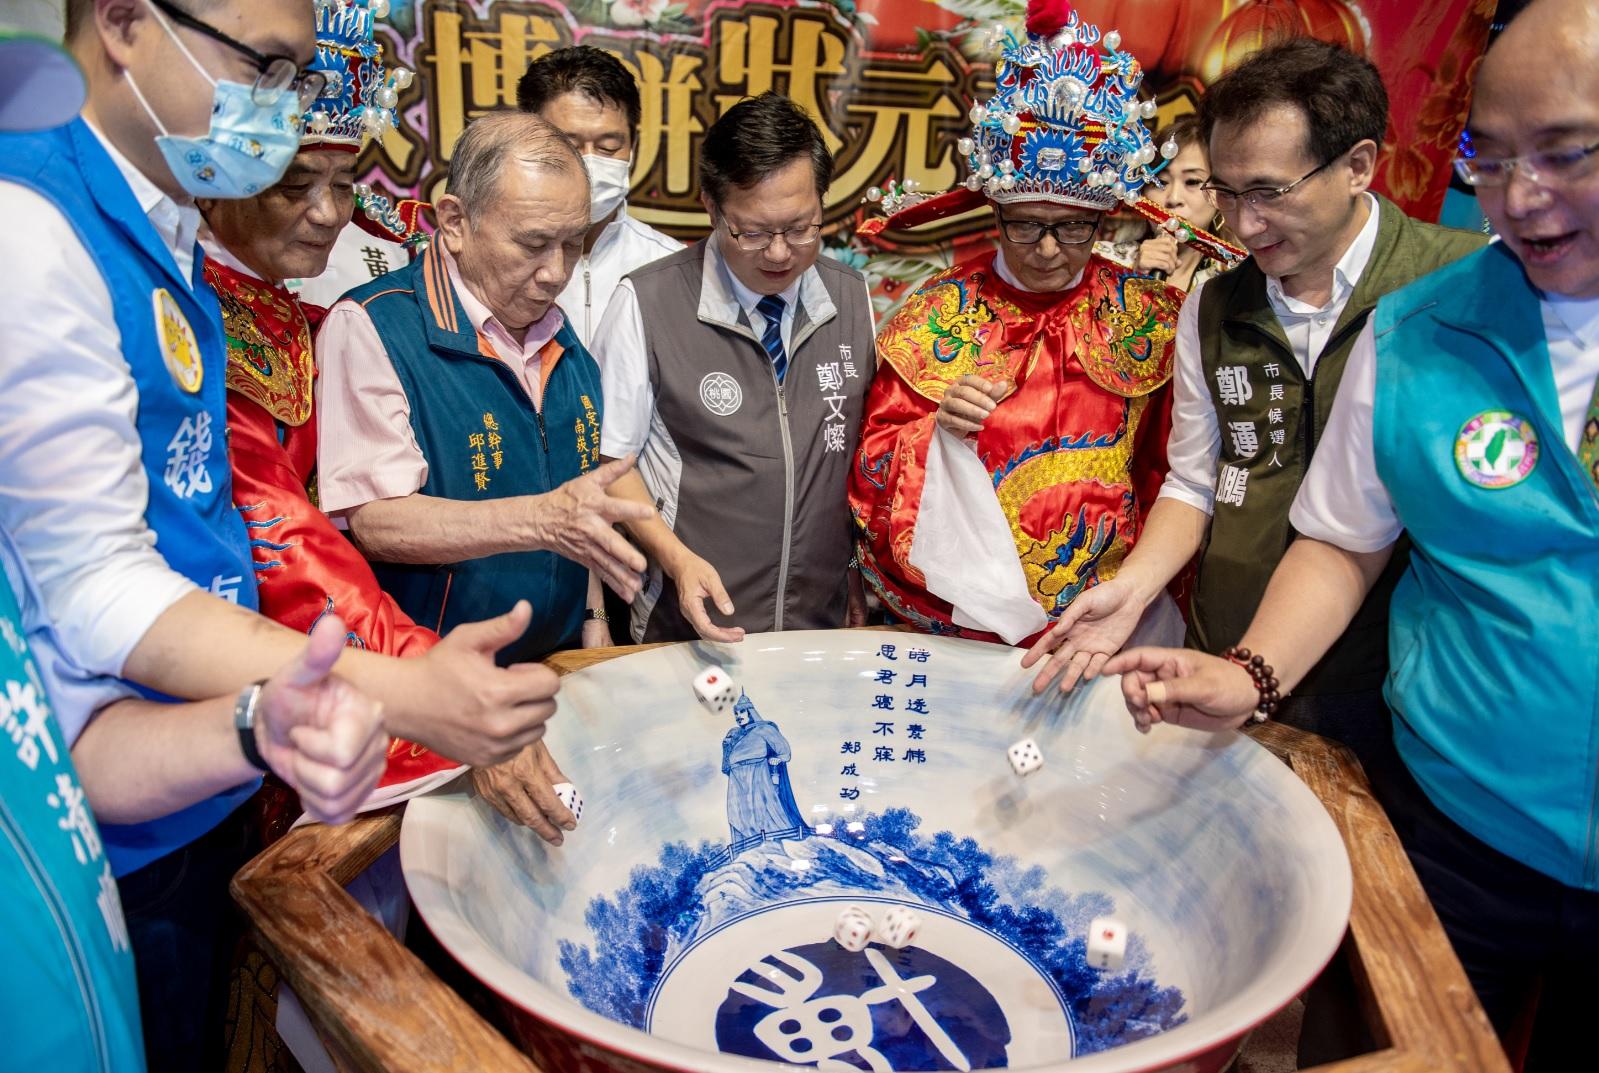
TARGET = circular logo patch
x,y
178,345
721,394
1496,449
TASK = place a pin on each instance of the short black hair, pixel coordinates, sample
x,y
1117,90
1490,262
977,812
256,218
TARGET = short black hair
x,y
757,137
80,13
593,72
1340,94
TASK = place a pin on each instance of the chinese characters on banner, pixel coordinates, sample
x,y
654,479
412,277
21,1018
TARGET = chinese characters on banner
x,y
890,81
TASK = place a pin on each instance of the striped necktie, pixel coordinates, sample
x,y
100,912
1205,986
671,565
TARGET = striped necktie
x,y
771,307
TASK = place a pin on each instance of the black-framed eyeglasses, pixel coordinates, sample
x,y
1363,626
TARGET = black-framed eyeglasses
x,y
1065,232
274,74
754,241
1259,198
1565,164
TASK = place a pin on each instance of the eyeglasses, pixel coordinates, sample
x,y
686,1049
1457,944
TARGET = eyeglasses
x,y
754,241
274,74
1259,198
1562,165
1066,232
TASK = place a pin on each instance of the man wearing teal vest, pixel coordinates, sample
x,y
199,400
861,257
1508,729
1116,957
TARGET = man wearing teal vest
x,y
1469,422
461,415
1293,134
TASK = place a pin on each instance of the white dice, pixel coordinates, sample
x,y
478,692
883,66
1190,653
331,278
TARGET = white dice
x,y
570,798
1025,757
715,689
853,928
1107,943
900,926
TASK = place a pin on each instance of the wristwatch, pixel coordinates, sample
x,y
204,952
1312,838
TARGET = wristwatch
x,y
592,615
244,723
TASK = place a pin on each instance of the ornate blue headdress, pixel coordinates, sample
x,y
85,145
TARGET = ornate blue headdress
x,y
357,104
1065,125
359,100
744,706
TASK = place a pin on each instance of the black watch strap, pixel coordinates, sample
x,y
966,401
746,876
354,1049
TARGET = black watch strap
x,y
244,722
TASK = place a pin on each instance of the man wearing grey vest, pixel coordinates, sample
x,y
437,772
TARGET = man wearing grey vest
x,y
735,371
1293,135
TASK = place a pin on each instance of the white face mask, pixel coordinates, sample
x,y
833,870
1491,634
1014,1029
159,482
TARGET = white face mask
x,y
608,184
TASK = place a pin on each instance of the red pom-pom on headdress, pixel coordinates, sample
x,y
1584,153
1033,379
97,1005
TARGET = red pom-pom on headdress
x,y
1046,17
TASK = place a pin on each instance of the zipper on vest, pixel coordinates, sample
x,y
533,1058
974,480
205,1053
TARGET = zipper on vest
x,y
788,498
1307,418
1590,862
588,303
543,439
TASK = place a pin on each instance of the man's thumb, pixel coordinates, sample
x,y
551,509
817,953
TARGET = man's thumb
x,y
322,650
493,634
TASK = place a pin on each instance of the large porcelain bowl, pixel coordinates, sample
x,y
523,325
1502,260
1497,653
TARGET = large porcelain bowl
x,y
686,924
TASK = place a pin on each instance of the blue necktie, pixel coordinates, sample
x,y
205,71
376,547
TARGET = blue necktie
x,y
771,307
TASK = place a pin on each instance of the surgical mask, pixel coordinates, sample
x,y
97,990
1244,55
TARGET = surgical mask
x,y
609,179
248,146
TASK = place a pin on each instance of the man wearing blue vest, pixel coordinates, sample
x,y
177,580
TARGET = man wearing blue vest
x,y
1469,419
461,415
127,556
68,994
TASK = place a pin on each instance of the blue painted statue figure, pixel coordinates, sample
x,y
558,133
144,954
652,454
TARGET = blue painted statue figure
x,y
755,758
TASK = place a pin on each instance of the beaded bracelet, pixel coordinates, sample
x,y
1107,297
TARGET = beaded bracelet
x,y
1265,684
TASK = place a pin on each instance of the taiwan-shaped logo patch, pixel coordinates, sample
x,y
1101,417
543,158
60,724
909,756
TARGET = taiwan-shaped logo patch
x,y
1496,449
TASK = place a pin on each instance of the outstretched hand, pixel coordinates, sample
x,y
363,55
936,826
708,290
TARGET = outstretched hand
x,y
1181,686
1089,632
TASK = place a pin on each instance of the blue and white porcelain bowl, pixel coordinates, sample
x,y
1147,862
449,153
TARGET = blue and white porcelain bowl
x,y
687,923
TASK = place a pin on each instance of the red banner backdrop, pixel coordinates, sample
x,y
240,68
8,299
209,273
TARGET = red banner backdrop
x,y
890,81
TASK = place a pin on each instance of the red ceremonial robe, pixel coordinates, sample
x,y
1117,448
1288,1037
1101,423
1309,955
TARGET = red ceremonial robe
x,y
304,567
1076,448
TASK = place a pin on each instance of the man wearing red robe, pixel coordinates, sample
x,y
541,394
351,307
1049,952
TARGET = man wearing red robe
x,y
1051,362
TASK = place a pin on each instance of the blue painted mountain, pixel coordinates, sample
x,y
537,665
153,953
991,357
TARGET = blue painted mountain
x,y
693,890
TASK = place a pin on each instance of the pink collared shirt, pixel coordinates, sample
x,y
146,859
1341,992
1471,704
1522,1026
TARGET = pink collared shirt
x,y
367,449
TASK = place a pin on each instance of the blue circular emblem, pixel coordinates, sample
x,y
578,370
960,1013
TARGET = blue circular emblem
x,y
907,1009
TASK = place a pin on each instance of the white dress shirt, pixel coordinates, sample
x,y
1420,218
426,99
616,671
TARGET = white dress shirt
x,y
73,491
1194,446
621,350
624,244
1342,500
366,448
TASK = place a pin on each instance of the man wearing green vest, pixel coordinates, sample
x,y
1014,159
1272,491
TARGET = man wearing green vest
x,y
1469,423
461,415
1293,135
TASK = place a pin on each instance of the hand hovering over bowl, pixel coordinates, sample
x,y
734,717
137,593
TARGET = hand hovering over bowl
x,y
1184,687
523,791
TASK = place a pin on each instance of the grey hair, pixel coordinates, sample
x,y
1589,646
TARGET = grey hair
x,y
480,153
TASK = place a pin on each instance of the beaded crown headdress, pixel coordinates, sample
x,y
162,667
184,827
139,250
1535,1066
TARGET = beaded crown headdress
x,y
357,104
1065,125
360,97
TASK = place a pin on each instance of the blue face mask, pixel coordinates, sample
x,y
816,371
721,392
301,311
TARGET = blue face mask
x,y
248,146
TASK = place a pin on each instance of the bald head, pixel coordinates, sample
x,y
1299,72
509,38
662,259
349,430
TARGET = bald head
x,y
1537,94
493,142
514,215
1547,29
